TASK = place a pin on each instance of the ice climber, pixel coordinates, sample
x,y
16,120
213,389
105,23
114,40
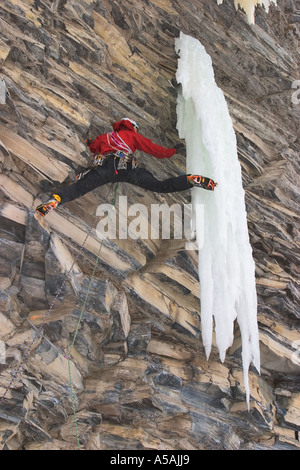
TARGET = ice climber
x,y
114,161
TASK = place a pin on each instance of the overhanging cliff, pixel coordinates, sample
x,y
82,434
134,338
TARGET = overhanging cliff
x,y
139,369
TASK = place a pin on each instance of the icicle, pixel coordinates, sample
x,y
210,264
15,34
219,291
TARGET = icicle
x,y
226,266
249,6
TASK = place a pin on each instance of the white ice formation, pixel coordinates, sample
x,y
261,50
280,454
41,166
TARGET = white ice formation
x,y
226,266
249,6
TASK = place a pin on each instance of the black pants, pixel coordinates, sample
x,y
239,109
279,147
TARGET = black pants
x,y
107,174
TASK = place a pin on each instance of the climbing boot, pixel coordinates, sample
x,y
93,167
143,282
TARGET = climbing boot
x,y
202,182
49,206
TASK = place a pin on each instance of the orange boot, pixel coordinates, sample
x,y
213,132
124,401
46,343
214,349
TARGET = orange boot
x,y
202,182
49,206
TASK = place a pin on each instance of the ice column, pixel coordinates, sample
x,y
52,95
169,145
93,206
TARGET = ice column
x,y
226,266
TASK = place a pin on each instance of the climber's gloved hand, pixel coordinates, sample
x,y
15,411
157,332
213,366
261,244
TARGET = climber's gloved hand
x,y
179,147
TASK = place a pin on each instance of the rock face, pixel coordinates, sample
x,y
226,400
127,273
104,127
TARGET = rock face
x,y
139,373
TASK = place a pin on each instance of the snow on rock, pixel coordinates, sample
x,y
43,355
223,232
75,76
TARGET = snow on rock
x,y
226,266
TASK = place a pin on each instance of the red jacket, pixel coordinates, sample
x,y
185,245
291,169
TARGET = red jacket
x,y
124,131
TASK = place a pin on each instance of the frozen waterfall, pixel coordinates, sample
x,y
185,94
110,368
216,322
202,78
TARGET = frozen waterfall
x,y
226,266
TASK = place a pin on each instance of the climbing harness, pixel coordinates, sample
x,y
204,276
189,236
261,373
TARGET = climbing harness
x,y
121,152
118,141
82,174
121,161
39,330
125,155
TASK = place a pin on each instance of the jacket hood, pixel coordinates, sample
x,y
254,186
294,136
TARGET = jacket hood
x,y
124,125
